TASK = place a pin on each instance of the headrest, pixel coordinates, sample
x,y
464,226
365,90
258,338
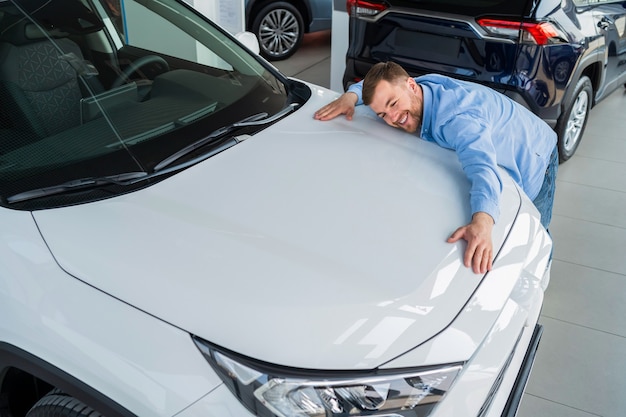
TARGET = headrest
x,y
69,16
23,31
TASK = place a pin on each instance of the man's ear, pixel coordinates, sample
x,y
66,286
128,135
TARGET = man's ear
x,y
411,84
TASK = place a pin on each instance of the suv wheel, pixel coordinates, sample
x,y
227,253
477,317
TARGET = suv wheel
x,y
571,124
279,27
58,404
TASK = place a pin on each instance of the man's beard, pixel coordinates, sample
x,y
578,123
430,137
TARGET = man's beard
x,y
416,118
415,114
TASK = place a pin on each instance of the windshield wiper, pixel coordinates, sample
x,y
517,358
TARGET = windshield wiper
x,y
258,119
130,178
126,178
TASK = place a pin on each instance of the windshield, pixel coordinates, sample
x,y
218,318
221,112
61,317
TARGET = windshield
x,y
109,89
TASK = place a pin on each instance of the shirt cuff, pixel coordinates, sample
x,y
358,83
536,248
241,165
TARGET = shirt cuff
x,y
486,206
358,90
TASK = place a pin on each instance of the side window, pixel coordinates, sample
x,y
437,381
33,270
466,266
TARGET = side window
x,y
147,30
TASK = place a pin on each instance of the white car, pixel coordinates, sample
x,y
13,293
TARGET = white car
x,y
181,238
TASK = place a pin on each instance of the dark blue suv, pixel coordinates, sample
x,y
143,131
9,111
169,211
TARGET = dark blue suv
x,y
557,57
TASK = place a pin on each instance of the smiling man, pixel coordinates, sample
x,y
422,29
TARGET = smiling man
x,y
484,127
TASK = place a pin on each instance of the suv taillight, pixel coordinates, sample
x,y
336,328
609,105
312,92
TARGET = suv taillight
x,y
541,33
361,8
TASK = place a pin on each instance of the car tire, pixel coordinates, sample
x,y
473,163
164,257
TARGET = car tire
x,y
571,125
279,27
58,404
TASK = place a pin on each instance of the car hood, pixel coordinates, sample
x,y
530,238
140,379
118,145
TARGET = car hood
x,y
312,244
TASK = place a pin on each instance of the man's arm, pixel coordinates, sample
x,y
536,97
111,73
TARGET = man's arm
x,y
471,139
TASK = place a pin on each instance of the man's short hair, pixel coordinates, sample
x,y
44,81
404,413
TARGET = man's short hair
x,y
387,71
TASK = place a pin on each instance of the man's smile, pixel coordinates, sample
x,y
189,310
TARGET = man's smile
x,y
402,120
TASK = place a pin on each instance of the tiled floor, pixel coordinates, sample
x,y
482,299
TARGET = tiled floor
x,y
580,369
581,366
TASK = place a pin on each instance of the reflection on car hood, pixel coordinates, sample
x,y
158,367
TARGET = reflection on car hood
x,y
311,244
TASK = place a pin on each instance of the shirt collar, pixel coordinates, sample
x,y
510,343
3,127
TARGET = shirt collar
x,y
427,100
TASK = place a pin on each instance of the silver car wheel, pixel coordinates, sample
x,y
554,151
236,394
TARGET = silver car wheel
x,y
576,121
279,32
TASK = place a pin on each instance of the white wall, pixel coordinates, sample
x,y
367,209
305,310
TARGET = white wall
x,y
338,45
230,14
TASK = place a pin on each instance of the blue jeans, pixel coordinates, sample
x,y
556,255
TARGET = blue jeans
x,y
545,199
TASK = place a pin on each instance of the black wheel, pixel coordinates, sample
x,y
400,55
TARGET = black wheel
x,y
571,124
58,404
279,28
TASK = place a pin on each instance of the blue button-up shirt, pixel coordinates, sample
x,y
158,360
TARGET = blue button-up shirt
x,y
486,129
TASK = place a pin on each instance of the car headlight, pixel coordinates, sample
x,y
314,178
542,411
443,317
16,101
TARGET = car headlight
x,y
268,390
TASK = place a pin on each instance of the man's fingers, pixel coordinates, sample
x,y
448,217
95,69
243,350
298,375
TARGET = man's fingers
x,y
482,261
327,113
330,111
477,260
479,251
470,257
322,113
344,104
458,234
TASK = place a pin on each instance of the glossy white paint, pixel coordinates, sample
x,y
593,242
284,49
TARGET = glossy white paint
x,y
149,366
310,245
307,237
322,275
499,319
219,403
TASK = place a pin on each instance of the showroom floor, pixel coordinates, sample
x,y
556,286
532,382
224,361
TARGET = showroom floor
x,y
580,369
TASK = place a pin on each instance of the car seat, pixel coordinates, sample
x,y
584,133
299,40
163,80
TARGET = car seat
x,y
38,85
40,66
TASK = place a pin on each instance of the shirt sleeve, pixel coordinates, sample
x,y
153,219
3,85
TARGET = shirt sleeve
x,y
470,137
357,88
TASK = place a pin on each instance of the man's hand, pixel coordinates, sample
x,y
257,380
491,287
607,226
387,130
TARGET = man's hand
x,y
479,251
344,104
